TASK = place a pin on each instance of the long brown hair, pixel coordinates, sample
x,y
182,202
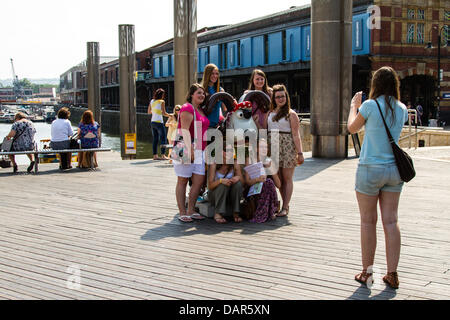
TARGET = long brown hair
x,y
87,117
251,85
194,87
385,82
207,75
286,108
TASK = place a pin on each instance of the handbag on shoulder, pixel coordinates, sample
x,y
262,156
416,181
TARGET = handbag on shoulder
x,y
403,161
180,149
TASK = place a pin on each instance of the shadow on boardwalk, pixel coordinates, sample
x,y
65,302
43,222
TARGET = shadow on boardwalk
x,y
176,228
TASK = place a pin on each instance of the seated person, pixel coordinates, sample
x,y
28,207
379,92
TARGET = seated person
x,y
266,202
61,131
225,183
89,133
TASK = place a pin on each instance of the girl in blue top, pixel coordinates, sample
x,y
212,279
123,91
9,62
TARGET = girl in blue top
x,y
377,177
211,83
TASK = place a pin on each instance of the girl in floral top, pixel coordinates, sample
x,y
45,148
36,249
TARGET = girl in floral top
x,y
22,131
89,133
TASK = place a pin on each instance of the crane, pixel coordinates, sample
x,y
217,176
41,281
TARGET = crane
x,y
18,91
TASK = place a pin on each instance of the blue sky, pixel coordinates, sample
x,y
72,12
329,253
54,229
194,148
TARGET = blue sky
x,y
47,37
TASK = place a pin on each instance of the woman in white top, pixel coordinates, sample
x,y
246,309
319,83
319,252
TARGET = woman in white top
x,y
284,120
61,131
157,108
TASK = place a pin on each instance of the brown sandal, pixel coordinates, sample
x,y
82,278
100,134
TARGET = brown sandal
x,y
281,214
391,279
363,277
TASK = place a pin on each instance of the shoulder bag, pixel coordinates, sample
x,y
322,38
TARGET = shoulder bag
x,y
8,143
180,149
403,161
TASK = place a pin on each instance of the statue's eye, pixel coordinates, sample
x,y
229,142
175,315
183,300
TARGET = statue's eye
x,y
240,114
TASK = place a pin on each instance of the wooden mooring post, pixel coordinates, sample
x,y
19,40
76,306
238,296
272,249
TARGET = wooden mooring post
x,y
127,91
185,47
93,81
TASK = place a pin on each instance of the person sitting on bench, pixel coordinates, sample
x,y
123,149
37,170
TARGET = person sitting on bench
x,y
89,133
61,132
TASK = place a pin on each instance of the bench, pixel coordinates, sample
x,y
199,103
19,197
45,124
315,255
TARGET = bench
x,y
50,151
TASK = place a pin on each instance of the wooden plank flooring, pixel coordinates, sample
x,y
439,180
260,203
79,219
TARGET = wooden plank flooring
x,y
119,226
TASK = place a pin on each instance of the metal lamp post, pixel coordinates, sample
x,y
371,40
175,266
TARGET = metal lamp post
x,y
440,74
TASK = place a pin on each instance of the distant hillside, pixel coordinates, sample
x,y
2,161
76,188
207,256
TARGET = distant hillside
x,y
8,82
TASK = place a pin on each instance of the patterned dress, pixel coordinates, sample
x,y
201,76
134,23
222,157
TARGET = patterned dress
x,y
88,143
266,203
25,141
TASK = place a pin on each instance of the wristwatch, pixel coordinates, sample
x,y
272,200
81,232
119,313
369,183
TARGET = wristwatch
x,y
300,153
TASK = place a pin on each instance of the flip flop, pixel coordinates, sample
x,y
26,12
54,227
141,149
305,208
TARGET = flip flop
x,y
197,216
185,218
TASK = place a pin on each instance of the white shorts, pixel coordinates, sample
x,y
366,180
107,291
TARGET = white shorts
x,y
187,170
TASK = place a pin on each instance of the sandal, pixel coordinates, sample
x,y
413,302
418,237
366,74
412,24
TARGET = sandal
x,y
391,279
185,218
237,218
281,214
30,167
219,219
197,216
363,277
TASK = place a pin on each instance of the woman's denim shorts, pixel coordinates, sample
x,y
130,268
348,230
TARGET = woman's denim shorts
x,y
373,178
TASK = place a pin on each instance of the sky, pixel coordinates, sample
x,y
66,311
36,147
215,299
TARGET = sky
x,y
45,38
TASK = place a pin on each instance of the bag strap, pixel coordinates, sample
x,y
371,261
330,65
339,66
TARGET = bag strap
x,y
391,140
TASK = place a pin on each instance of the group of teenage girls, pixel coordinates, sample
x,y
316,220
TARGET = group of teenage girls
x,y
377,178
228,183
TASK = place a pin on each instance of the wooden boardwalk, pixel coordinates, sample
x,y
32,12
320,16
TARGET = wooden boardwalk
x,y
117,226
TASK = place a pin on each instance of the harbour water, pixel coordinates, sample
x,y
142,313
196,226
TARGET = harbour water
x,y
43,131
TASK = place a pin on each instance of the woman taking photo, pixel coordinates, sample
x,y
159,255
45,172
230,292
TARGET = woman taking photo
x,y
157,108
61,131
22,131
284,120
377,177
194,169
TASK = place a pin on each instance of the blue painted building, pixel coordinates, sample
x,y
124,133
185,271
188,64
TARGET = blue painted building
x,y
278,44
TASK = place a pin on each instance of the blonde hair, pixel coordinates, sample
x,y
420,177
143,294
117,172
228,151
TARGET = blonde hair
x,y
207,76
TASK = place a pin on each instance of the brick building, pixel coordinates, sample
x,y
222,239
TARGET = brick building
x,y
407,26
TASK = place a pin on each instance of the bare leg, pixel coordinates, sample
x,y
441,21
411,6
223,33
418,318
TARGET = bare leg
x,y
197,182
389,215
368,211
180,192
13,161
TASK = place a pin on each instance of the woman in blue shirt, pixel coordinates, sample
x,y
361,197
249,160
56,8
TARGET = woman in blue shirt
x,y
377,177
211,82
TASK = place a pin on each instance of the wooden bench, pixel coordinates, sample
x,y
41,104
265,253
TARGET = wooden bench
x,y
50,151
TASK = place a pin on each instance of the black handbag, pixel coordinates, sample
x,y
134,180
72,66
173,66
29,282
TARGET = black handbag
x,y
404,162
73,142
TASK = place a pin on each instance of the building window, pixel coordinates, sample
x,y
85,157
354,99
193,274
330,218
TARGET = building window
x,y
410,35
420,14
411,13
420,31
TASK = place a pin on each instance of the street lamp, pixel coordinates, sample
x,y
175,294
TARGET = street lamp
x,y
440,74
